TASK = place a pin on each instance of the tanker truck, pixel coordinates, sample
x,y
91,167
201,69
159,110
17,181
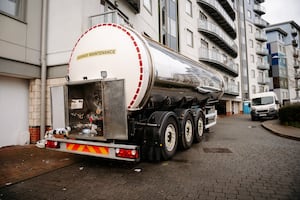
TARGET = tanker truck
x,y
128,97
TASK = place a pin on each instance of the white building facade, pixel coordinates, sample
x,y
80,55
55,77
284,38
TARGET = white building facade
x,y
20,49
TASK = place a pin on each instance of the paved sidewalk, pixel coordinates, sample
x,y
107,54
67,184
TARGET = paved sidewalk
x,y
19,163
275,127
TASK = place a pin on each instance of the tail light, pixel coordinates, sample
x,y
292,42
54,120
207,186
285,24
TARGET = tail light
x,y
127,153
52,144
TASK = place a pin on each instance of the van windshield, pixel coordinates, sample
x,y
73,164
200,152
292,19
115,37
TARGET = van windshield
x,y
262,101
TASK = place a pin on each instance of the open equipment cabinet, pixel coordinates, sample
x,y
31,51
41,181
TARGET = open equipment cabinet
x,y
91,115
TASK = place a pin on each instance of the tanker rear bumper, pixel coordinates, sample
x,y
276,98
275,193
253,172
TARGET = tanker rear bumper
x,y
96,149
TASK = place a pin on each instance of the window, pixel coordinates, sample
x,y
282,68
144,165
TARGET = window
x,y
168,24
252,58
280,48
189,38
188,7
260,76
249,13
148,5
252,73
13,8
253,89
251,43
250,28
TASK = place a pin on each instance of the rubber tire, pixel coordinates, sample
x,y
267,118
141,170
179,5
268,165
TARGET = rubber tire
x,y
170,124
186,143
199,133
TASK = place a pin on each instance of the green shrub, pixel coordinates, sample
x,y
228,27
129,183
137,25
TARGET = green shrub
x,y
290,115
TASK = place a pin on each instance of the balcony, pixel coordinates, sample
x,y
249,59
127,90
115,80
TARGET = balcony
x,y
261,36
228,6
262,51
259,22
218,36
215,59
264,65
109,17
217,12
259,9
297,75
232,89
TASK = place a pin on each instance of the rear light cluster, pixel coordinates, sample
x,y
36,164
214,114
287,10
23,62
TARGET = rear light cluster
x,y
52,144
127,153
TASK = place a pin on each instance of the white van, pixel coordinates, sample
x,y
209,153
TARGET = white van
x,y
264,105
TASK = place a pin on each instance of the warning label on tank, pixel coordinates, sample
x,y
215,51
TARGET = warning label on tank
x,y
96,53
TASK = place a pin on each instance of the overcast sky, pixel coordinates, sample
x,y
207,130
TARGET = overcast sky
x,y
278,11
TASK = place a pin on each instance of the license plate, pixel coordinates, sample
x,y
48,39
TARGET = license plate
x,y
262,115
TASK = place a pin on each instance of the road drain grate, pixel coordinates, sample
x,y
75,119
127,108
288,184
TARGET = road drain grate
x,y
216,150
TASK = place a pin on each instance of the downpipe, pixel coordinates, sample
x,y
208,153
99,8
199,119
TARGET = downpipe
x,y
43,67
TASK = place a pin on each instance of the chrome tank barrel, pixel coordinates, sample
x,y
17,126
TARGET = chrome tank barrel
x,y
152,73
182,76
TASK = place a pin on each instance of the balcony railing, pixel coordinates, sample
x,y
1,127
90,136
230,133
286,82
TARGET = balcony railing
x,y
217,60
261,36
260,22
259,9
263,80
296,64
297,75
229,7
232,89
109,17
264,65
220,15
263,51
217,35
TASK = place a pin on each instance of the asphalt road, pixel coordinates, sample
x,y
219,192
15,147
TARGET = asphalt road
x,y
238,159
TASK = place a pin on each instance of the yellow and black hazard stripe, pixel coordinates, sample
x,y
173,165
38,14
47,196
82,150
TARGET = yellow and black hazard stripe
x,y
87,148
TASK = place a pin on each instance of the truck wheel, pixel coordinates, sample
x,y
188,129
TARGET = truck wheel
x,y
169,137
187,136
199,127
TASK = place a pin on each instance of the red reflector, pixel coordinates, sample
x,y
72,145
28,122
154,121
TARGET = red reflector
x,y
52,144
127,153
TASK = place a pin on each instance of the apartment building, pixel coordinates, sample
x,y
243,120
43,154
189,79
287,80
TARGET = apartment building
x,y
217,41
39,36
284,59
256,72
